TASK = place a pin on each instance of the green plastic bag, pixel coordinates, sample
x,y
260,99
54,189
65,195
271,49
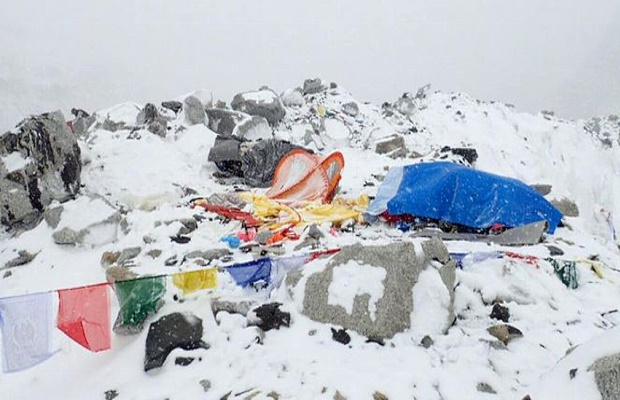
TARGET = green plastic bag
x,y
139,299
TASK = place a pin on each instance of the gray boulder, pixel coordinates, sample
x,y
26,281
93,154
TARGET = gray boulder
x,y
224,122
542,188
405,105
39,163
312,86
293,97
262,103
194,111
393,146
567,207
351,109
607,376
154,121
377,318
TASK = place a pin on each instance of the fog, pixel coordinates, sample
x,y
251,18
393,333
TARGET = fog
x,y
555,55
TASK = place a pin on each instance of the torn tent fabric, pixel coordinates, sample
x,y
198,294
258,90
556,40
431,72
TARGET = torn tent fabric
x,y
27,323
566,271
461,195
251,272
84,316
302,176
138,298
192,281
281,266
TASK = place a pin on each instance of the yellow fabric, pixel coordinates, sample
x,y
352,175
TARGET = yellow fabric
x,y
276,214
596,266
192,281
320,110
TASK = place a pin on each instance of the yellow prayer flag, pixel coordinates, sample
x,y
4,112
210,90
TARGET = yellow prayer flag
x,y
192,281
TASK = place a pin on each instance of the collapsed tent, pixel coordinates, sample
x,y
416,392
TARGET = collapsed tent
x,y
302,176
461,195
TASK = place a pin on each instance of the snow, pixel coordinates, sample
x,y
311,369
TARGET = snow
x,y
263,96
146,178
14,161
353,279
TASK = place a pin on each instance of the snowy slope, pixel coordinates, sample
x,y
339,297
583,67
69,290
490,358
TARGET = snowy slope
x,y
146,178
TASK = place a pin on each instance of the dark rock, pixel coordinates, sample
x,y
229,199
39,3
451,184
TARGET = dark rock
x,y
224,122
174,106
154,253
39,163
341,336
500,312
183,361
180,239
23,258
312,86
262,103
111,394
485,388
427,342
554,250
542,188
172,331
270,317
128,254
573,373
468,154
170,261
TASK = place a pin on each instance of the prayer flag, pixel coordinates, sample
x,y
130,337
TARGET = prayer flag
x,y
192,281
138,298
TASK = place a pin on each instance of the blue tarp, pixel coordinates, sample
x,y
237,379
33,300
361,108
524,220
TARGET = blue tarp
x,y
251,272
461,195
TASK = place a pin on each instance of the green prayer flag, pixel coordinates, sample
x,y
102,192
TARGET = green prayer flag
x,y
138,298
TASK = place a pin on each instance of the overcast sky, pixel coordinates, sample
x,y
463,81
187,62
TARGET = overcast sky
x,y
561,55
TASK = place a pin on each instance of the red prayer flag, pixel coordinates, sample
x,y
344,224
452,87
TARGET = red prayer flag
x,y
84,316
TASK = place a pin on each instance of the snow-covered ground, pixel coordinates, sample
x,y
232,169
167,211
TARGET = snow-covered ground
x,y
146,177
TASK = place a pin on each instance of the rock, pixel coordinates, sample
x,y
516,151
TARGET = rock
x,y
68,236
395,266
542,188
605,129
208,255
110,394
174,106
405,105
170,261
128,254
7,274
262,103
52,216
183,361
231,307
80,125
500,312
567,207
23,258
470,155
485,388
607,376
194,111
87,221
109,257
274,395
504,332
393,146
312,86
154,122
554,250
154,253
263,236
339,396
224,122
116,273
351,109
172,331
314,232
253,128
180,239
293,97
427,342
341,336
269,317
206,384
379,396
39,163
189,225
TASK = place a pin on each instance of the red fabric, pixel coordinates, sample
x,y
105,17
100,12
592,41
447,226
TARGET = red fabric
x,y
84,316
532,260
231,213
323,253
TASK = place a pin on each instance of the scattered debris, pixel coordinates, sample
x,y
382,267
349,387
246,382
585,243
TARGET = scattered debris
x,y
500,312
341,336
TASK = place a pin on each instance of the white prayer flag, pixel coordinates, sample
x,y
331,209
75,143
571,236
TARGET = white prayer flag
x,y
27,323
